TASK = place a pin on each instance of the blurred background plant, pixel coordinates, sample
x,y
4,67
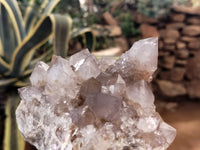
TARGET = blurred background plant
x,y
26,40
154,8
128,26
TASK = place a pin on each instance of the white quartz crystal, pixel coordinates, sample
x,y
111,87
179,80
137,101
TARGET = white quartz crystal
x,y
90,104
39,79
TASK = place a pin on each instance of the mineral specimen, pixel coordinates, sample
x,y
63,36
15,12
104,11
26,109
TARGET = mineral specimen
x,y
90,104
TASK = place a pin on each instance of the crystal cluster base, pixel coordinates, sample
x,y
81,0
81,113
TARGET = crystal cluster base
x,y
94,104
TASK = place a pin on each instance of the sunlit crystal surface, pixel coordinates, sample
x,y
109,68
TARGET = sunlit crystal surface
x,y
90,104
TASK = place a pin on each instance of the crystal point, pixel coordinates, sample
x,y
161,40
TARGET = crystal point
x,y
140,62
36,79
90,104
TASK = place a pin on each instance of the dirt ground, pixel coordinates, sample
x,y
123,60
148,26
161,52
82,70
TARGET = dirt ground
x,y
186,119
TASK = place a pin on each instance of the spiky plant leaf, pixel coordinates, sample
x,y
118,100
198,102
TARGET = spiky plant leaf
x,y
7,81
1,48
4,66
15,17
62,30
46,57
50,6
18,58
90,40
13,139
35,39
86,37
29,16
47,26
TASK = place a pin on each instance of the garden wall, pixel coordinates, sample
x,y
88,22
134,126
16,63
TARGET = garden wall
x,y
179,51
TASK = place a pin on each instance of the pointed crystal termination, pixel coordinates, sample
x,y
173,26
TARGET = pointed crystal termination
x,y
89,104
140,62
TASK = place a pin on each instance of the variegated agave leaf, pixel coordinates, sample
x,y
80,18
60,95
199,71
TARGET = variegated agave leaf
x,y
17,48
86,37
21,38
51,25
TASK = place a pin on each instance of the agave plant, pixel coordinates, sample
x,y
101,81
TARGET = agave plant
x,y
25,40
21,37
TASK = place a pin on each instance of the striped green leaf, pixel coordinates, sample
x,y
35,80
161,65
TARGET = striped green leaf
x,y
1,48
8,38
21,39
49,25
4,82
4,67
11,26
86,37
62,30
12,138
35,39
50,6
29,16
16,18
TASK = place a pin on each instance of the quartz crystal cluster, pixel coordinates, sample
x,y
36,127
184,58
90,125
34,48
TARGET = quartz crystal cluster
x,y
86,103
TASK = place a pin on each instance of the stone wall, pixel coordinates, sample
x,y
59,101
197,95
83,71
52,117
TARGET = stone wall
x,y
179,51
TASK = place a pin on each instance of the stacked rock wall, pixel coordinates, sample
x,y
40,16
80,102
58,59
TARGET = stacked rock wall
x,y
179,51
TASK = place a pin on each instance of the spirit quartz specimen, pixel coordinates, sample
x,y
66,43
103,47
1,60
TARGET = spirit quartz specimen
x,y
90,104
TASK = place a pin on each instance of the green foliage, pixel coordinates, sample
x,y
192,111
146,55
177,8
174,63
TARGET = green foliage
x,y
118,12
156,8
72,7
93,19
128,27
104,42
23,39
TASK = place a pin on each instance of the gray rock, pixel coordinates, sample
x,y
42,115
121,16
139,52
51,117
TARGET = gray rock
x,y
191,30
182,54
177,17
169,33
176,74
180,45
187,10
193,88
171,89
168,62
193,67
180,62
193,20
194,45
188,39
176,25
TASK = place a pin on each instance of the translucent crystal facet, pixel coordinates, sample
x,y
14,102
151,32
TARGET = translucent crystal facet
x,y
94,104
